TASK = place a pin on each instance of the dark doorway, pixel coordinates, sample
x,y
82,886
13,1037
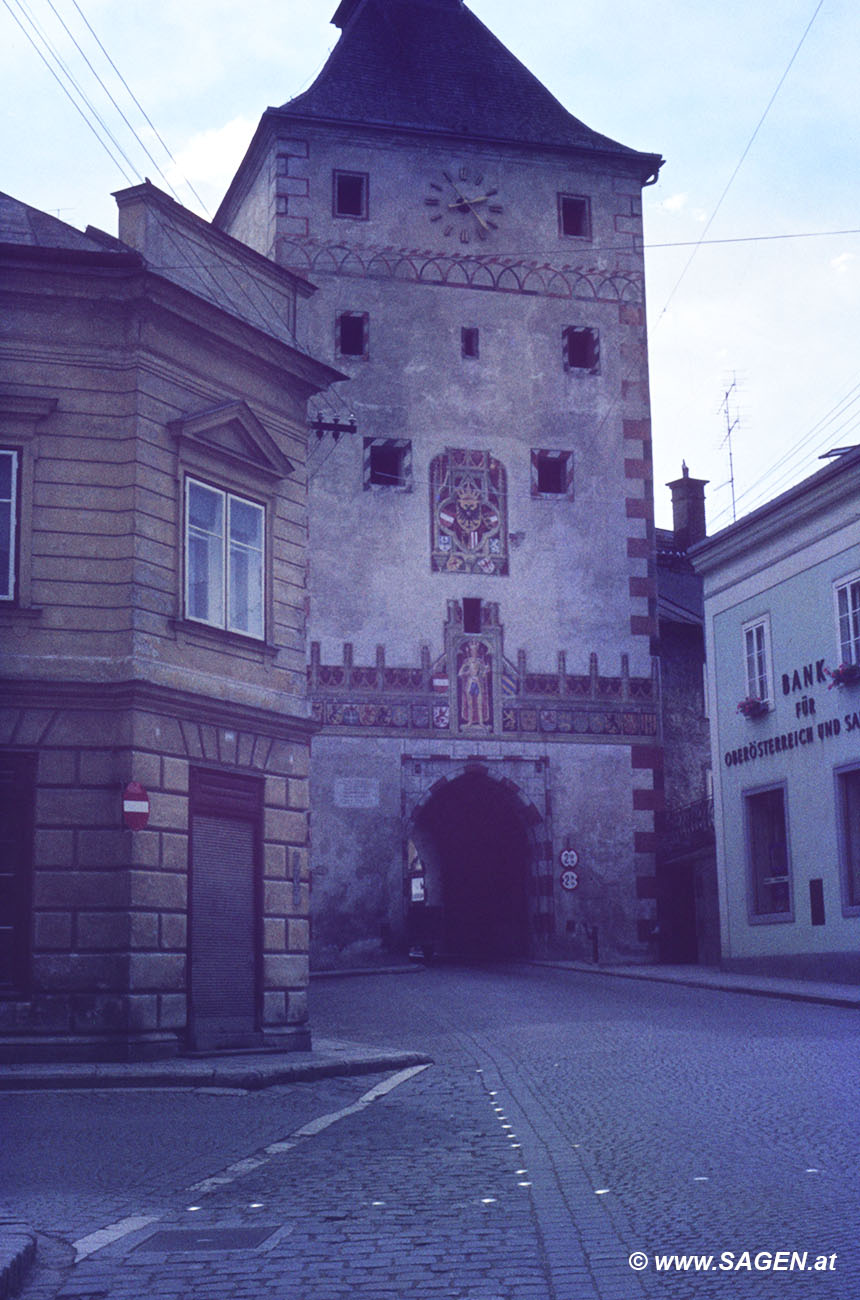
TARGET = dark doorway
x,y
224,926
474,833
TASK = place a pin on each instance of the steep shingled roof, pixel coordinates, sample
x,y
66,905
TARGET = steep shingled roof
x,y
431,65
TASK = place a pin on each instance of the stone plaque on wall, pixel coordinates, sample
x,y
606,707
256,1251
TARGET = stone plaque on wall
x,y
356,792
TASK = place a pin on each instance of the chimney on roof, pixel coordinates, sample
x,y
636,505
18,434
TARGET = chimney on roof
x,y
688,509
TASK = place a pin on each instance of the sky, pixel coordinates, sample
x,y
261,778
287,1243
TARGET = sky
x,y
752,233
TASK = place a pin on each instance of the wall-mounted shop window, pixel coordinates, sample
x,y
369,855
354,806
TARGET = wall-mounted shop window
x,y
848,801
469,342
387,463
349,194
757,670
848,620
9,462
551,473
224,559
574,216
351,334
767,855
581,349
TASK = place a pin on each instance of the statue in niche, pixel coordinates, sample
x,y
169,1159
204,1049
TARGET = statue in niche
x,y
474,685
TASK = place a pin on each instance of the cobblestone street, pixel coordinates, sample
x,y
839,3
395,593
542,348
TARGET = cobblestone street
x,y
569,1120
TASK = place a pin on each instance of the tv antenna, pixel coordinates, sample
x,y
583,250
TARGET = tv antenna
x,y
732,421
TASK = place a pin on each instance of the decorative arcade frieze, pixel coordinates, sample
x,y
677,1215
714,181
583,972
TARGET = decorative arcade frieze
x,y
499,274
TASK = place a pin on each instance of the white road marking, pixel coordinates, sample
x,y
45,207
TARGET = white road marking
x,y
309,1130
96,1240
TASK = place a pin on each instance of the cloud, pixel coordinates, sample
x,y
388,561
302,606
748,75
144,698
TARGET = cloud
x,y
844,262
212,157
674,203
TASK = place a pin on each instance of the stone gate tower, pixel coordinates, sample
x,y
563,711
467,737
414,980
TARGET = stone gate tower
x,y
481,592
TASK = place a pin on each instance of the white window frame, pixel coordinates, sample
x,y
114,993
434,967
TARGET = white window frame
x,y
221,617
847,619
9,592
753,685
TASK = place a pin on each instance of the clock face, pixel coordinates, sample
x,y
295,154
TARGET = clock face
x,y
462,205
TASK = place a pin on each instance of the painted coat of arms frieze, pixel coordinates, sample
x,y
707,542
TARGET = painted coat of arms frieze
x,y
468,513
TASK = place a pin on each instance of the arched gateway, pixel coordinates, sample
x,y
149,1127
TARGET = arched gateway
x,y
474,866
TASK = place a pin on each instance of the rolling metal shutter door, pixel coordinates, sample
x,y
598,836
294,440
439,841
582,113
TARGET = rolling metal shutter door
x,y
223,982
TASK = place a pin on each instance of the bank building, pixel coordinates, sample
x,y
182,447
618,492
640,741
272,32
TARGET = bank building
x,y
481,610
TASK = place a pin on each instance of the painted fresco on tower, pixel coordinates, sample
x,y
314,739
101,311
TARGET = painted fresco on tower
x,y
474,685
468,509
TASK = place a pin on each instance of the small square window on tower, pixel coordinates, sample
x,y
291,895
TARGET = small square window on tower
x,y
552,473
574,216
349,194
581,349
351,334
469,342
388,463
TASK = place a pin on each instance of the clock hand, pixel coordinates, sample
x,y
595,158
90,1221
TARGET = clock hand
x,y
479,198
464,205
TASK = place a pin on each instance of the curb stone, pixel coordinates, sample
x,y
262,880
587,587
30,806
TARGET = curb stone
x,y
247,1070
17,1254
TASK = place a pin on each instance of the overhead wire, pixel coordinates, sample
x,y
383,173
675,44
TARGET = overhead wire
x,y
73,81
613,404
138,105
75,104
108,92
788,462
742,158
702,241
74,91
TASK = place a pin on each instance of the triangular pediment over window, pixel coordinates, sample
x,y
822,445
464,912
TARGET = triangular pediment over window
x,y
233,433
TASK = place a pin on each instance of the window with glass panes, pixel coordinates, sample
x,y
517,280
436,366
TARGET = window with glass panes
x,y
756,653
767,852
224,559
848,614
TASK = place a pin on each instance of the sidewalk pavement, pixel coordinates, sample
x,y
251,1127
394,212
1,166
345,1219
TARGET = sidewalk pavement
x,y
712,977
252,1070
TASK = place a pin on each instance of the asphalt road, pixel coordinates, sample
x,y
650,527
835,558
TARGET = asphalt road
x,y
570,1123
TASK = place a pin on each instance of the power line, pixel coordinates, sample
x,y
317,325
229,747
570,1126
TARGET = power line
x,y
67,92
824,431
72,88
98,78
742,159
745,239
138,104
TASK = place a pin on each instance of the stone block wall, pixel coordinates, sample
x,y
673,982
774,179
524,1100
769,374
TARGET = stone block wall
x,y
109,970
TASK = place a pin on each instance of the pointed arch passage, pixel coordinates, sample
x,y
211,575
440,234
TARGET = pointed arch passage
x,y
476,848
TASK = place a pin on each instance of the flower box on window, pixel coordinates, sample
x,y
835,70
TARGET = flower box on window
x,y
844,675
752,707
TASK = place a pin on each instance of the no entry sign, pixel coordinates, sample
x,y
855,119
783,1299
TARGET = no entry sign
x,y
135,806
